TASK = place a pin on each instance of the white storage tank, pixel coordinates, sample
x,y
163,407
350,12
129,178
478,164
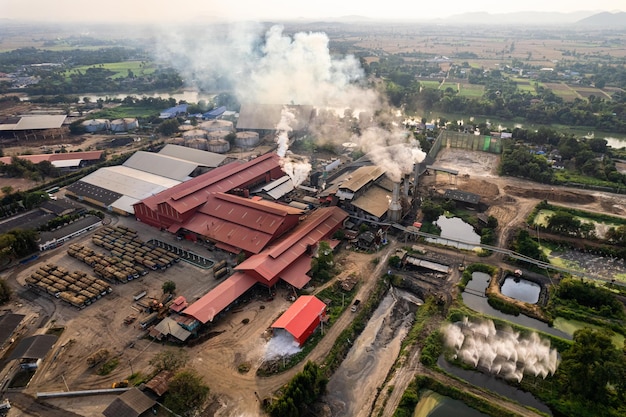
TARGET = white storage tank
x,y
213,125
247,139
194,134
218,146
197,144
95,125
177,141
218,134
123,125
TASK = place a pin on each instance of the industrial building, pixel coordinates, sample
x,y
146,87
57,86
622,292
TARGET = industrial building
x,y
202,208
175,111
33,126
288,259
144,174
302,318
65,160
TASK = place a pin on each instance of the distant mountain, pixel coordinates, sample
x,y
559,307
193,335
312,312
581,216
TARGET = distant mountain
x,y
604,19
519,18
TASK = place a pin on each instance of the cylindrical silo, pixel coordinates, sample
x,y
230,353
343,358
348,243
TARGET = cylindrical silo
x,y
247,139
218,146
213,125
194,134
95,125
197,144
217,134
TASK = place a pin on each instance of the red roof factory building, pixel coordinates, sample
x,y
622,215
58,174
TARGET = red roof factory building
x,y
279,240
302,318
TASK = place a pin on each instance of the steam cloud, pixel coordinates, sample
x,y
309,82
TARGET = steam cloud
x,y
281,345
501,352
270,67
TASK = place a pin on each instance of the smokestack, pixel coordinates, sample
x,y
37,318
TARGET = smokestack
x,y
395,208
416,175
407,178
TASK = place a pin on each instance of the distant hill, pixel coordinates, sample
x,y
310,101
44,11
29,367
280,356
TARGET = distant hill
x,y
604,19
517,18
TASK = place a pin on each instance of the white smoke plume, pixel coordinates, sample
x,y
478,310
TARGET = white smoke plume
x,y
281,345
267,66
502,352
392,150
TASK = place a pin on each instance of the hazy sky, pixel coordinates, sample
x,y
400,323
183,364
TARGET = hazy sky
x,y
168,10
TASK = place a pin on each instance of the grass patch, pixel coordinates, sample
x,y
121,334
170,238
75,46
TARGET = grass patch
x,y
430,84
120,69
108,367
121,112
471,90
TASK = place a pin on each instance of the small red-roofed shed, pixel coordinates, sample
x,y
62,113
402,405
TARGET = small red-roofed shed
x,y
302,318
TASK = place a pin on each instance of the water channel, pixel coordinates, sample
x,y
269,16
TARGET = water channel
x,y
353,388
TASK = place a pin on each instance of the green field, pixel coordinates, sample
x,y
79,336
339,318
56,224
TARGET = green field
x,y
120,68
429,84
121,112
471,90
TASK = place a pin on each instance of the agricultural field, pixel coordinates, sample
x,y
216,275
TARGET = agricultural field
x,y
121,69
564,91
586,92
430,84
471,90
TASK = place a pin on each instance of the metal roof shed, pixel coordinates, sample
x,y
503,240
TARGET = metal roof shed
x,y
200,157
34,347
132,403
161,165
302,318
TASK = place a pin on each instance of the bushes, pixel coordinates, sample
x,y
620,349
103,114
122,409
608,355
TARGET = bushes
x,y
433,347
302,391
503,306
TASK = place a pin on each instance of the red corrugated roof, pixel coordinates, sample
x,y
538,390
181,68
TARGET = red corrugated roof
x,y
300,315
240,222
296,273
195,192
233,235
316,227
35,159
206,308
179,304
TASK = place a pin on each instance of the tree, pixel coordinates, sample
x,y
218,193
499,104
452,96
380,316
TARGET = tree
x,y
590,365
169,360
169,287
564,223
5,291
187,393
168,127
322,265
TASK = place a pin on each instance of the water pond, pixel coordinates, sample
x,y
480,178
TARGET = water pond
x,y
521,289
477,301
432,404
455,228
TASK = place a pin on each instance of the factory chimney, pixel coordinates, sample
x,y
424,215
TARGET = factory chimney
x,y
416,175
406,188
395,208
